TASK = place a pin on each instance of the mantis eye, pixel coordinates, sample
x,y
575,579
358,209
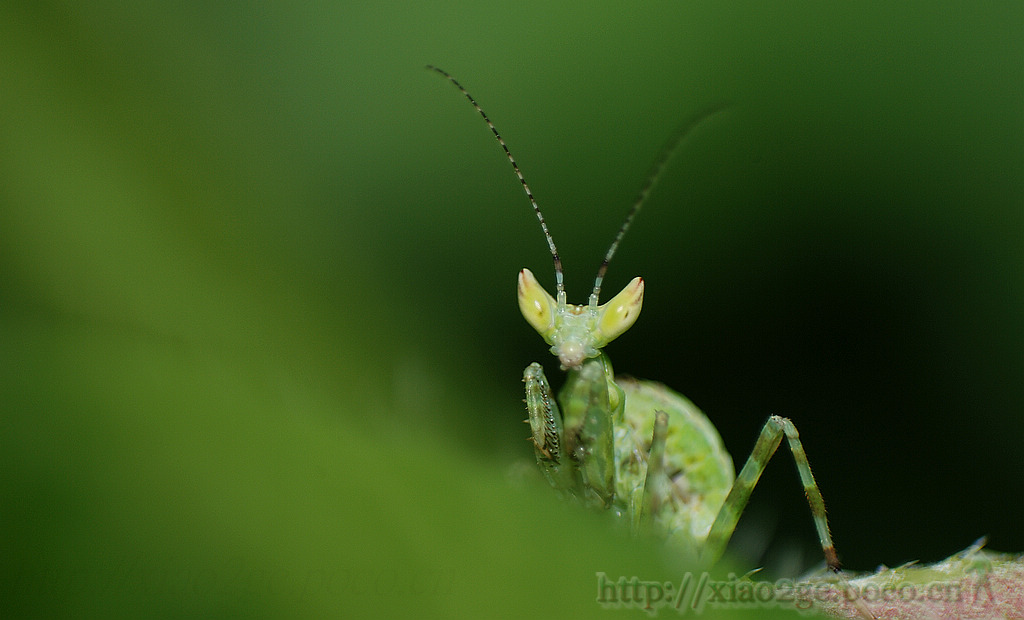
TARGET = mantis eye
x,y
621,311
537,306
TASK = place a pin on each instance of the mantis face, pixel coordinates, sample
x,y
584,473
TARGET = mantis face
x,y
577,333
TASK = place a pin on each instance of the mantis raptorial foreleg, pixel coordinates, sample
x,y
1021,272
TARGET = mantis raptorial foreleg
x,y
580,437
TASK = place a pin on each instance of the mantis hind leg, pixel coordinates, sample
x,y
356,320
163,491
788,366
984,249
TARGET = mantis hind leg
x,y
656,480
767,442
771,436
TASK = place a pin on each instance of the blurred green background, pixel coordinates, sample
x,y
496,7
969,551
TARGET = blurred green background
x,y
261,352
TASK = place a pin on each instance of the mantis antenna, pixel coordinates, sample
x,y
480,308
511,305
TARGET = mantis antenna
x,y
670,147
559,284
667,150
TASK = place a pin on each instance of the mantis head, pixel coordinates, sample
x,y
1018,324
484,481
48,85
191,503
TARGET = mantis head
x,y
577,333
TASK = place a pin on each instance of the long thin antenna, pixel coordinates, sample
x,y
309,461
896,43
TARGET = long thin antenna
x,y
669,148
560,287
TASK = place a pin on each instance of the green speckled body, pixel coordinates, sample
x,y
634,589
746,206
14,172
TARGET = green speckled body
x,y
603,455
698,468
652,457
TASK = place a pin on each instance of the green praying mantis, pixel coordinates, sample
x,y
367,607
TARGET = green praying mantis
x,y
631,446
651,457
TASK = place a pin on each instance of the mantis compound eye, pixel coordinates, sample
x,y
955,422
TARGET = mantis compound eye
x,y
537,306
621,311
